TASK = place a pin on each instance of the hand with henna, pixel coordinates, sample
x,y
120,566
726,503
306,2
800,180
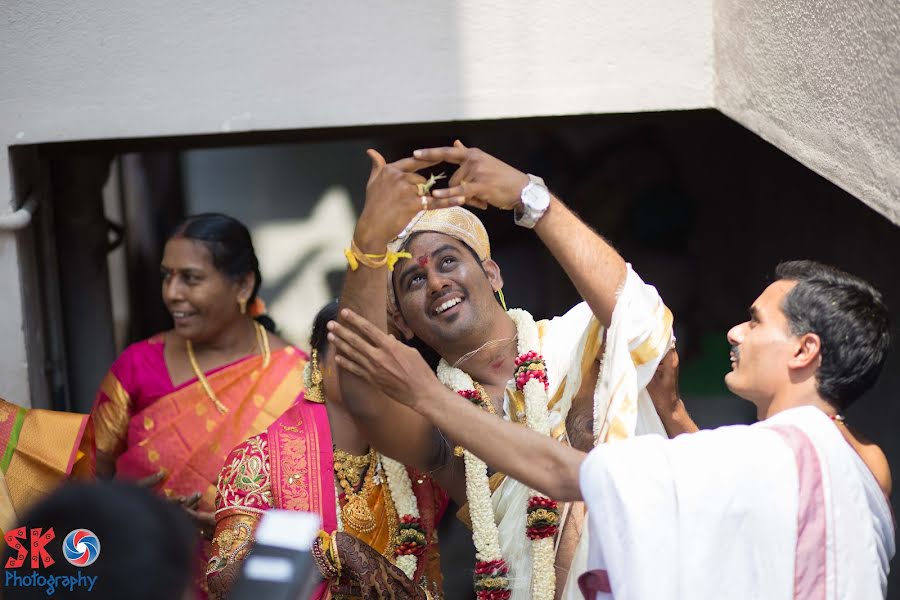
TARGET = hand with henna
x,y
221,582
366,573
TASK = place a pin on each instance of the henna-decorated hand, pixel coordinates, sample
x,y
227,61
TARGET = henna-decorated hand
x,y
371,573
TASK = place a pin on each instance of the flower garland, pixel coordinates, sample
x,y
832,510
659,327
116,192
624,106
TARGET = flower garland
x,y
410,539
491,571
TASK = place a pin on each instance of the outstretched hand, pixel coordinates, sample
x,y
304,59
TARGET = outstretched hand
x,y
481,179
393,198
394,368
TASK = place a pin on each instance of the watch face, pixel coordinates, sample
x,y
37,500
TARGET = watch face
x,y
536,197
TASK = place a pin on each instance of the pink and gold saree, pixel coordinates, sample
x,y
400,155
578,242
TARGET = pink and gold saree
x,y
148,424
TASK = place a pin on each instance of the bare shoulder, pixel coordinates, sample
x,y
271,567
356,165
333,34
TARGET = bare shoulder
x,y
873,456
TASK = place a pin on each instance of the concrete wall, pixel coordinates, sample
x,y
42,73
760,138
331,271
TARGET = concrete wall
x,y
819,79
103,69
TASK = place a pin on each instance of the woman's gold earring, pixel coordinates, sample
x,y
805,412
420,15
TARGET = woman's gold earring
x,y
314,392
242,304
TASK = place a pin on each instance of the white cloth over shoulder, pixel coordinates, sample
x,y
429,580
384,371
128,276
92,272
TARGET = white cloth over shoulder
x,y
782,509
639,336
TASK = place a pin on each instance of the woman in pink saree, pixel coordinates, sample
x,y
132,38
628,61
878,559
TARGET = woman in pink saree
x,y
172,407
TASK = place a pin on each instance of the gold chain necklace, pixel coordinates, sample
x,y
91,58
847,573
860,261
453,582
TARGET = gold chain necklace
x,y
356,513
262,342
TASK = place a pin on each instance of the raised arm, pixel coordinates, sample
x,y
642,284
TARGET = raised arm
x,y
591,263
401,374
392,200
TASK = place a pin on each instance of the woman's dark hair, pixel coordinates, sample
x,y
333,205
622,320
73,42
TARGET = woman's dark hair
x,y
851,320
230,246
318,339
147,545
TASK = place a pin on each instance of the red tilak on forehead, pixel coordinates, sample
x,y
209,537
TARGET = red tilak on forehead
x,y
422,260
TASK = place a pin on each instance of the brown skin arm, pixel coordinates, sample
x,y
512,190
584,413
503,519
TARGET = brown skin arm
x,y
401,374
391,203
591,263
663,390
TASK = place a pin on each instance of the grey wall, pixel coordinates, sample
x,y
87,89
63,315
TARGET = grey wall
x,y
820,79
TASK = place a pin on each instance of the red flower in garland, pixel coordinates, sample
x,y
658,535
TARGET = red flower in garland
x,y
470,395
491,567
411,537
503,594
492,580
543,518
530,366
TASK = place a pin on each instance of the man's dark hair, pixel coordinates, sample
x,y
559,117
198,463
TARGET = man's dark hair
x,y
850,318
148,546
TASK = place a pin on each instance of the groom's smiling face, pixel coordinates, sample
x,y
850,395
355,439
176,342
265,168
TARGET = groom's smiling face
x,y
444,293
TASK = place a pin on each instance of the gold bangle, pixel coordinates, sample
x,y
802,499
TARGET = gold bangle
x,y
336,560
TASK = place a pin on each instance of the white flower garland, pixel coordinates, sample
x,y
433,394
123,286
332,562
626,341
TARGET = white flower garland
x,y
543,577
405,501
484,528
407,505
485,535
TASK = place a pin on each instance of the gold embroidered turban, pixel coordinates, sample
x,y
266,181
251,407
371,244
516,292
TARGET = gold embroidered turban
x,y
458,223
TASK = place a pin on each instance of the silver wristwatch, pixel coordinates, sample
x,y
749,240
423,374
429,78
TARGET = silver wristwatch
x,y
535,201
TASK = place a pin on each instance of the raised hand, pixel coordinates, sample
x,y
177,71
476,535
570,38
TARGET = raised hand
x,y
393,198
663,390
481,179
392,367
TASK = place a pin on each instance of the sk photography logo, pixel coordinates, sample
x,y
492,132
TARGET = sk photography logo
x,y
80,548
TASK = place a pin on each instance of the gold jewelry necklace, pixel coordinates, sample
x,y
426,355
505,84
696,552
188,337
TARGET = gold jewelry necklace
x,y
356,513
350,468
262,342
488,344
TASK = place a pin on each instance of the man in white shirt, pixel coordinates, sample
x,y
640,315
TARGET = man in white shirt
x,y
794,506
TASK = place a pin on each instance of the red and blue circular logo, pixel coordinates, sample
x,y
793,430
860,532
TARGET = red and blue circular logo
x,y
81,547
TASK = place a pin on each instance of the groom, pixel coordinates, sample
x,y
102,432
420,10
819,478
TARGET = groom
x,y
443,292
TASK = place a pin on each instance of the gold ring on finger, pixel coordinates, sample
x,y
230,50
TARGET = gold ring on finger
x,y
421,189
